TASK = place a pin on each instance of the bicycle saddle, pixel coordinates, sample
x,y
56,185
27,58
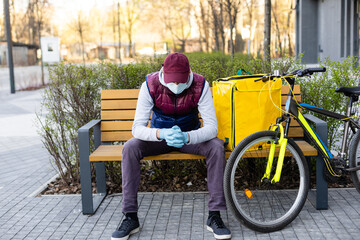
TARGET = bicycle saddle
x,y
349,91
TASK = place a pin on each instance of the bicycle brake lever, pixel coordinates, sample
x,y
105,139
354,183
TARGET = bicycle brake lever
x,y
263,78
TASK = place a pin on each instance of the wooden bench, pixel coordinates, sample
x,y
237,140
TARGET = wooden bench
x,y
117,115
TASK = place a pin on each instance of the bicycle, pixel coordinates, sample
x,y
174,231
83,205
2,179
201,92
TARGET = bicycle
x,y
266,163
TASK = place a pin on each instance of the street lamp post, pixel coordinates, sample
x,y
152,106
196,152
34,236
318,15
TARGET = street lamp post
x,y
9,42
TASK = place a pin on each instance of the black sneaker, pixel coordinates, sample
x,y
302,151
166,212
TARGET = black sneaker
x,y
128,226
217,226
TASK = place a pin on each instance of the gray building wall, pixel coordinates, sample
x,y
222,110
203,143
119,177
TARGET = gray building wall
x,y
327,28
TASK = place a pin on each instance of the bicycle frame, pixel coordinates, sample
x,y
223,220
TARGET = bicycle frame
x,y
292,109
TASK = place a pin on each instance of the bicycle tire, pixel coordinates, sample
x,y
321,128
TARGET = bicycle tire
x,y
269,209
354,160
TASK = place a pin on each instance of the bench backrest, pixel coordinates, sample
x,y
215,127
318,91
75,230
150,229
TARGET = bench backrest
x,y
118,111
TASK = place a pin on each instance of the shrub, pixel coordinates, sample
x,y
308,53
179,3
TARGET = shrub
x,y
319,90
73,98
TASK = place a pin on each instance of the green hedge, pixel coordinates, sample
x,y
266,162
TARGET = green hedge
x,y
73,98
319,90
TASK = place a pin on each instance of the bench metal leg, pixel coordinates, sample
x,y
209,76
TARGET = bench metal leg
x,y
99,166
90,203
321,183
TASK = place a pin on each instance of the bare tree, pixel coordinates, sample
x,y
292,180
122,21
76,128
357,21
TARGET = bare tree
x,y
26,24
267,33
119,31
250,6
215,24
288,28
81,26
203,23
40,16
176,18
278,33
218,22
132,13
233,7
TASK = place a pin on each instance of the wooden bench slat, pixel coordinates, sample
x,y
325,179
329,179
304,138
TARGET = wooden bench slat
x,y
285,89
297,132
284,97
110,126
120,94
116,125
118,104
116,136
118,115
114,153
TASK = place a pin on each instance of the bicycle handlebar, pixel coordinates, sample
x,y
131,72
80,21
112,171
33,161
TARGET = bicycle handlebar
x,y
307,71
298,73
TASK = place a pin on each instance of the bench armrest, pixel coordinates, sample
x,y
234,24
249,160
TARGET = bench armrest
x,y
83,133
89,202
320,126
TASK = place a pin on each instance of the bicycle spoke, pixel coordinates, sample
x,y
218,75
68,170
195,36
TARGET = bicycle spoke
x,y
270,204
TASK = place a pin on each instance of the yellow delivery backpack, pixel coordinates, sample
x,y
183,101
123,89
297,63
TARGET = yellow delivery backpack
x,y
244,106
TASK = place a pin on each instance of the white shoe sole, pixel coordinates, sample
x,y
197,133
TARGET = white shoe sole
x,y
127,237
218,236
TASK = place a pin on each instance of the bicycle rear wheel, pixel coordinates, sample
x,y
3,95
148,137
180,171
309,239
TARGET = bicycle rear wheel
x,y
258,204
354,160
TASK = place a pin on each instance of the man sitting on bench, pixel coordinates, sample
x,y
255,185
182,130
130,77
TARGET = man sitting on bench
x,y
175,96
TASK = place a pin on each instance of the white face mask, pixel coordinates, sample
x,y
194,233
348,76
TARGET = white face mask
x,y
177,89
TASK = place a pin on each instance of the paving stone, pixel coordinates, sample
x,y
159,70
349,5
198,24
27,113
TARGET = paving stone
x,y
162,215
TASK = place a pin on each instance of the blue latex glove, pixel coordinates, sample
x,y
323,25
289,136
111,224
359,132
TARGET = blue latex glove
x,y
176,138
183,136
166,132
186,137
173,136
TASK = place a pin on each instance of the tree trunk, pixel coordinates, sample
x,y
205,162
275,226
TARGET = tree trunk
x,y
205,26
130,46
288,30
118,23
42,61
278,34
201,25
231,30
81,39
222,28
183,43
267,35
114,30
216,25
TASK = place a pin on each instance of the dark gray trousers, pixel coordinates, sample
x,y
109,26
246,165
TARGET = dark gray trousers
x,y
134,150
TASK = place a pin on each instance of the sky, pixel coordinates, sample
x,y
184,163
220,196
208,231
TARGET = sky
x,y
64,8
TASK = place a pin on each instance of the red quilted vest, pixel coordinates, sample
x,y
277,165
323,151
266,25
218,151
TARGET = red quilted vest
x,y
175,109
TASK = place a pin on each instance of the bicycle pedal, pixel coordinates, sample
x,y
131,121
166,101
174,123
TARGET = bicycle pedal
x,y
338,162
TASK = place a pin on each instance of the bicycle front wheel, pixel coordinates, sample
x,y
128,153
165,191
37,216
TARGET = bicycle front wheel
x,y
257,203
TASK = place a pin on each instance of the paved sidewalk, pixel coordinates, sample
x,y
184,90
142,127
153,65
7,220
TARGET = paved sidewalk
x,y
25,167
